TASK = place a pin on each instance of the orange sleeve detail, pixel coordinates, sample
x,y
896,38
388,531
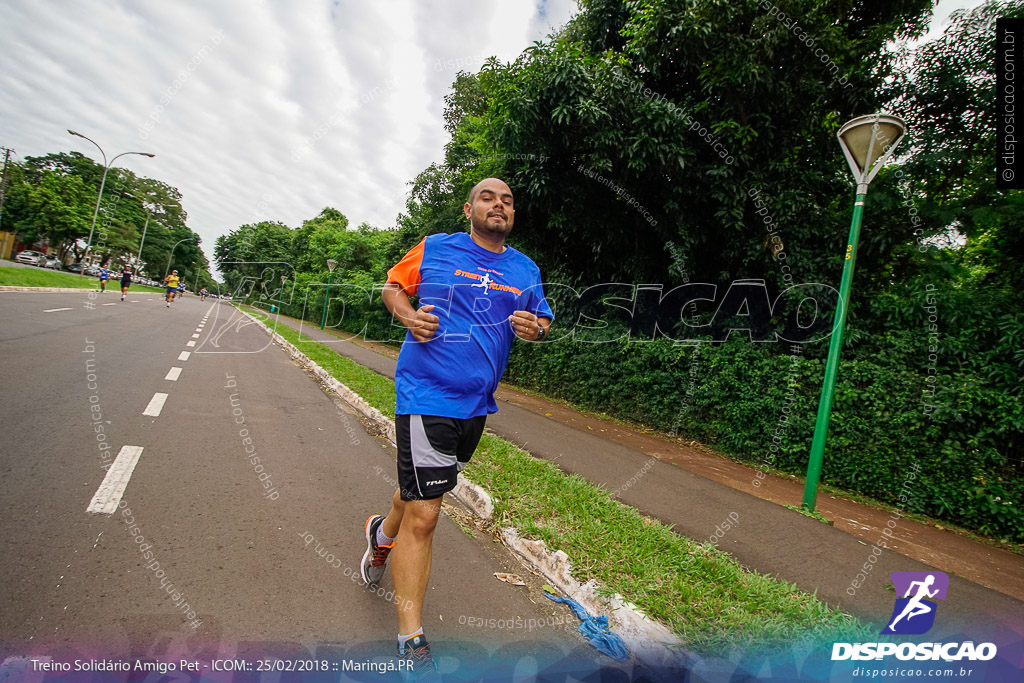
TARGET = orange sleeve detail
x,y
406,273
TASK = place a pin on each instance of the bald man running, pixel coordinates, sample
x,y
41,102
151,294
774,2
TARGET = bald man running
x,y
455,350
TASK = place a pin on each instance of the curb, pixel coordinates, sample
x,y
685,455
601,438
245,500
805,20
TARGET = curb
x,y
645,638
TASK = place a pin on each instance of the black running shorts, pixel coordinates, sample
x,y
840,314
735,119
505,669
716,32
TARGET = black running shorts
x,y
432,451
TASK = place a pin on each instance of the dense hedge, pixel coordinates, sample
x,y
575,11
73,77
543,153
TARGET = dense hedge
x,y
966,438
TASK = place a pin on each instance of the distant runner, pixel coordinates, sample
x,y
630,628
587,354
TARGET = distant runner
x,y
126,281
104,276
181,290
171,282
203,294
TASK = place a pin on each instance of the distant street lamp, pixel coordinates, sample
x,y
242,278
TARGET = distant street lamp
x,y
868,142
277,309
331,265
168,269
106,168
138,260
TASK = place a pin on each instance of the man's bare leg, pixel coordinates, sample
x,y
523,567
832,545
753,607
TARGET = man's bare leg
x,y
410,560
393,520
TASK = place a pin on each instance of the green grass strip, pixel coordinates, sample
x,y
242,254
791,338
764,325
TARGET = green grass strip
x,y
38,277
705,596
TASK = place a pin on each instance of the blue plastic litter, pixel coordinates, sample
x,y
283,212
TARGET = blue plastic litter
x,y
595,630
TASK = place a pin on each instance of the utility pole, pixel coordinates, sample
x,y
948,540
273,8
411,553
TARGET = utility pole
x,y
3,181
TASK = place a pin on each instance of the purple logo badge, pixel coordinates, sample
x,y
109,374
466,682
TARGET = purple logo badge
x,y
916,593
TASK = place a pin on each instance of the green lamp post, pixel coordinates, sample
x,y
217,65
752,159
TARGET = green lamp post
x,y
868,142
331,265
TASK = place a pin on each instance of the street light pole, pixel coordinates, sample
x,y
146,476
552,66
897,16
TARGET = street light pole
x,y
858,139
103,182
138,260
331,265
168,269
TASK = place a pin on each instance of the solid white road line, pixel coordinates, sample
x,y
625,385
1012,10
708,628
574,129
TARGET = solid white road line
x,y
156,404
54,310
173,374
184,355
108,495
190,343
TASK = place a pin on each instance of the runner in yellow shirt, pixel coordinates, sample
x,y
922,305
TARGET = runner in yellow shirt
x,y
171,281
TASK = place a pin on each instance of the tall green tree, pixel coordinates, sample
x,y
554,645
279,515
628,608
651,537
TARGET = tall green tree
x,y
55,206
255,253
317,239
54,197
644,125
945,90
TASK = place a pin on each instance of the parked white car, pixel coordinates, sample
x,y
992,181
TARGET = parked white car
x,y
50,261
28,256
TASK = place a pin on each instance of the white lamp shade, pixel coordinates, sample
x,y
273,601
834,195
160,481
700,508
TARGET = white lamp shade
x,y
868,139
331,264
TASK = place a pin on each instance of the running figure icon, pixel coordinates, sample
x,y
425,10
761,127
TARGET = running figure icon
x,y
916,603
485,282
915,607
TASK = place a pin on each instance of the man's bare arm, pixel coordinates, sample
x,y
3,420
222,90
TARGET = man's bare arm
x,y
420,322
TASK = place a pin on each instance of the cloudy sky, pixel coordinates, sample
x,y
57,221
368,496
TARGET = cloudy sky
x,y
258,110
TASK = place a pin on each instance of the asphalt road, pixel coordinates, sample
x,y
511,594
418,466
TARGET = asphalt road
x,y
265,570
15,264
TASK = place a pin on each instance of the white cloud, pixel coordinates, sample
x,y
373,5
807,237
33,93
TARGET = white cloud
x,y
372,76
224,129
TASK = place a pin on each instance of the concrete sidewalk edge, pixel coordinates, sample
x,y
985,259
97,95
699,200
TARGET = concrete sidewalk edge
x,y
643,636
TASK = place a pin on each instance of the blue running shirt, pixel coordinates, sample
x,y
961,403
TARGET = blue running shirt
x,y
474,291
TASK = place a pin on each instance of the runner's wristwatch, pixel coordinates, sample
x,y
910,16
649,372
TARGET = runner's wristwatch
x,y
543,332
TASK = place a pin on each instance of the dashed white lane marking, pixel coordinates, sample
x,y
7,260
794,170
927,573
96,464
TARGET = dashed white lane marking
x,y
108,495
191,343
54,310
184,355
195,336
108,304
173,374
156,404
198,330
